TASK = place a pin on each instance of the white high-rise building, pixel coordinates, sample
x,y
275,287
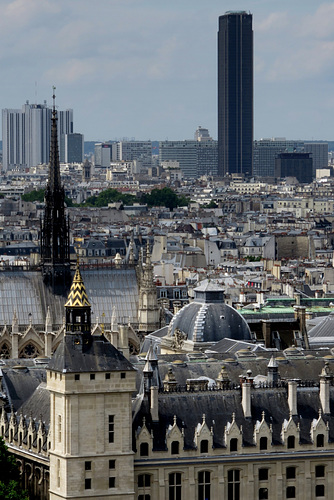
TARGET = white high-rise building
x,y
26,134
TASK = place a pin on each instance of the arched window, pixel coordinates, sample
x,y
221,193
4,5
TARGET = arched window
x,y
291,442
174,486
233,484
143,450
263,443
320,440
175,448
204,447
234,444
204,485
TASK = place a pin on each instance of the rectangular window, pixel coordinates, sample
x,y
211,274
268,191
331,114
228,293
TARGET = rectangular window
x,y
59,428
112,464
263,474
174,490
76,376
291,472
123,375
88,465
112,482
111,428
88,484
107,376
92,376
320,490
204,485
58,473
320,471
233,484
291,492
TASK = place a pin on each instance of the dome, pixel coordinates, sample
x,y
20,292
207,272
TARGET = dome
x,y
208,318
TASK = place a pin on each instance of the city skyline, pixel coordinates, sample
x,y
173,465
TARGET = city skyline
x,y
149,71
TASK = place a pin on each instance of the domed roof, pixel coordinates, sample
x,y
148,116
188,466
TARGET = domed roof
x,y
208,318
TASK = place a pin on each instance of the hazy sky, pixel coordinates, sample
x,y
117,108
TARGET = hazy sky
x,y
148,68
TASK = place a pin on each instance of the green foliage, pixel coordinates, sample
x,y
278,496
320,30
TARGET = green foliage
x,y
164,197
36,195
109,196
10,488
212,204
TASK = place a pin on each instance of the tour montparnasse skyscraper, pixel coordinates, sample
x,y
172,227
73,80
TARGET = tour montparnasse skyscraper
x,y
235,93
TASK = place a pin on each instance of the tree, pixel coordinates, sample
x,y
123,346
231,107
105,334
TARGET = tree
x,y
10,488
38,195
164,197
109,196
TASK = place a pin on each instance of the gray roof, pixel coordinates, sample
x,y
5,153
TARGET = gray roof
x,y
203,322
79,353
325,328
25,293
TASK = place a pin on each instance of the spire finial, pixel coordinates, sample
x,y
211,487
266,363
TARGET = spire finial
x,y
54,98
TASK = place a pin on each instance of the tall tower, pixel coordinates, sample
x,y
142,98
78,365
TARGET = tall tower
x,y
235,93
55,243
148,308
91,385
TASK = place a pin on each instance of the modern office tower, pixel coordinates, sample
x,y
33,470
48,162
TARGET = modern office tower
x,y
11,138
135,150
102,154
294,164
319,151
267,150
202,134
195,158
71,148
26,134
235,93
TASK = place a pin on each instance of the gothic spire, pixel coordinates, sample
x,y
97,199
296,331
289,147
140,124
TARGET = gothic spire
x,y
54,167
55,243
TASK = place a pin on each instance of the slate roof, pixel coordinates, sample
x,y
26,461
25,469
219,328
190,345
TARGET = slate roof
x,y
20,382
323,332
78,353
218,405
210,322
25,293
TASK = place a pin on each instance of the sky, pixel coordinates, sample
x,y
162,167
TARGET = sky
x,y
147,69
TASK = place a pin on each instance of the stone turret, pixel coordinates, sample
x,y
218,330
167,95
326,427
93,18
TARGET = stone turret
x,y
148,309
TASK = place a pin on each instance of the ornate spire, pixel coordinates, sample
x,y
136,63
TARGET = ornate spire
x,y
77,306
55,245
54,170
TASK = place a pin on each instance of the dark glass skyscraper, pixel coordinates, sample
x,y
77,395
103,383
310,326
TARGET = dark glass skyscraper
x,y
235,93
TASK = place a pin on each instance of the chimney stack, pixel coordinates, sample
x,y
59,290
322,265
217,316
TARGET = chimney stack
x,y
292,397
325,379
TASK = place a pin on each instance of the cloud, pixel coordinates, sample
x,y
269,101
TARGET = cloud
x,y
296,47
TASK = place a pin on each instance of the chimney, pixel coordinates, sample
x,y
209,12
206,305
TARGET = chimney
x,y
154,404
296,296
292,397
272,373
246,394
124,340
325,379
